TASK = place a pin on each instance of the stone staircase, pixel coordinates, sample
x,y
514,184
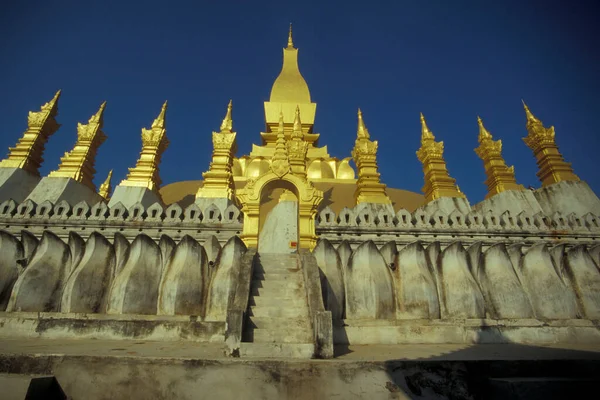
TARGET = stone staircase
x,y
278,322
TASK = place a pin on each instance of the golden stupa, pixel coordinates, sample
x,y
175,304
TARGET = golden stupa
x,y
290,101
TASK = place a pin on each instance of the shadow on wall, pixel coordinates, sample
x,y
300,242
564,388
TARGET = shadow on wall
x,y
484,371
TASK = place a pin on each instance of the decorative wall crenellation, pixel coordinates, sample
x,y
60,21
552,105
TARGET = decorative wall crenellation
x,y
367,219
60,218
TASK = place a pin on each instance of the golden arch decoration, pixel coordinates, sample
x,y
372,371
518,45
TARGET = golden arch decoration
x,y
309,199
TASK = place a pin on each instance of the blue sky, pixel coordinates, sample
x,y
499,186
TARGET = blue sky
x,y
451,60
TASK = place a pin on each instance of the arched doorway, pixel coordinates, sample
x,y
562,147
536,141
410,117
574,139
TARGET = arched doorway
x,y
278,218
308,201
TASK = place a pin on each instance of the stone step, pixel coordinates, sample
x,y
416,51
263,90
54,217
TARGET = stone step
x,y
277,267
277,350
270,300
280,291
281,336
278,323
274,284
278,264
278,277
279,312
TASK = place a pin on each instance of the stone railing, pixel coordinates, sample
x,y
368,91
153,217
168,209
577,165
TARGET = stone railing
x,y
155,221
366,218
360,224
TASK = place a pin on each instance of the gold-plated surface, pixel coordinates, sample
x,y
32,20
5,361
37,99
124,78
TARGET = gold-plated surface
x,y
27,154
106,188
280,165
552,167
438,182
297,148
290,96
289,92
500,177
308,197
369,189
154,143
218,180
78,164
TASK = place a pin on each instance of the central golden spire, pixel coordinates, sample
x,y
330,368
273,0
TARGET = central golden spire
x,y
288,92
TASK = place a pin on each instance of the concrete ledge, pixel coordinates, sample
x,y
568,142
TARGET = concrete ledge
x,y
470,331
112,327
99,370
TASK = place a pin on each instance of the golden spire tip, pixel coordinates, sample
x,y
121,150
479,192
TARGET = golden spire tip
x,y
528,112
227,123
290,41
425,132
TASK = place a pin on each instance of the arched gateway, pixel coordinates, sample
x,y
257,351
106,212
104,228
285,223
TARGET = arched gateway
x,y
308,197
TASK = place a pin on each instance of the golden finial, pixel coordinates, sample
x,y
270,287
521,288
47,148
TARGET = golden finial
x,y
281,125
483,133
297,130
528,113
280,163
362,131
106,188
52,105
28,152
227,124
160,121
290,41
98,118
426,134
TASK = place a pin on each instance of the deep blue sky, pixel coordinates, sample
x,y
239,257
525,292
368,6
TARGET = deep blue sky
x,y
452,60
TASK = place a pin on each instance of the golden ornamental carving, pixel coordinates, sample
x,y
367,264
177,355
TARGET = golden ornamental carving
x,y
280,164
28,152
308,198
222,140
365,148
280,167
87,132
297,149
